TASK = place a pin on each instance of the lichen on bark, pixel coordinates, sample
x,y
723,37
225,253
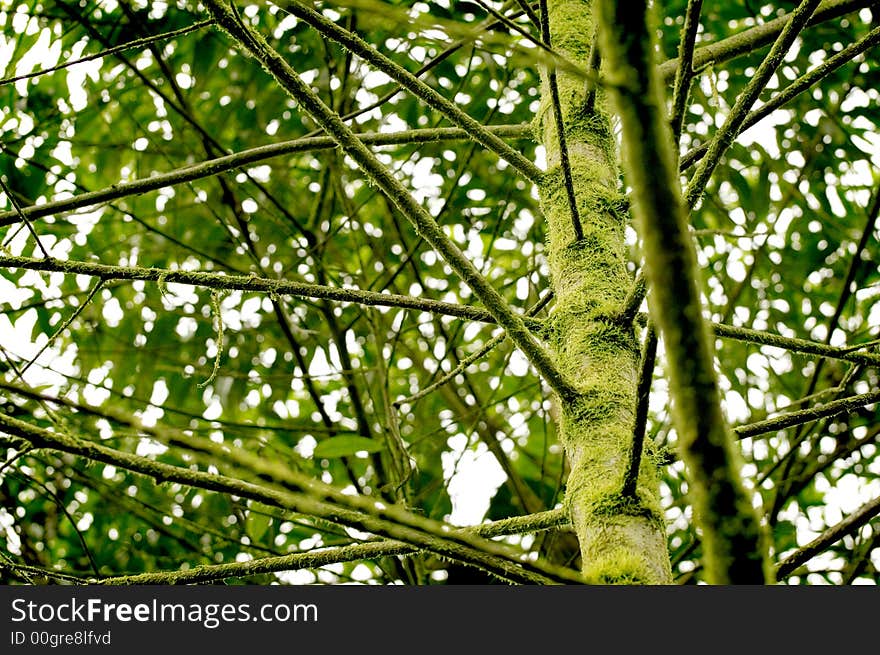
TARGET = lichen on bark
x,y
622,540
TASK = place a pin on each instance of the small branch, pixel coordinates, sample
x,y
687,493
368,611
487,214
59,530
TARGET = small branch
x,y
846,353
25,571
684,75
801,84
509,24
59,503
18,212
634,300
110,51
560,130
734,121
594,61
212,280
95,289
842,406
225,163
323,557
218,317
646,372
836,532
528,11
470,359
432,63
757,37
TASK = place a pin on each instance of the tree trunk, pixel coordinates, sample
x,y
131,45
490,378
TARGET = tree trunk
x,y
622,538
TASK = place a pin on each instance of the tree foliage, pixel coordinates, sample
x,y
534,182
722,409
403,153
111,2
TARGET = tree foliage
x,y
292,318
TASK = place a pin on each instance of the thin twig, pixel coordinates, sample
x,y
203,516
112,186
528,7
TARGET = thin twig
x,y
94,290
836,532
470,359
18,212
528,11
643,394
685,73
504,20
110,51
594,61
560,130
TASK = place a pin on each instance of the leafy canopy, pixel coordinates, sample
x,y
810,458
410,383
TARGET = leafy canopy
x,y
316,316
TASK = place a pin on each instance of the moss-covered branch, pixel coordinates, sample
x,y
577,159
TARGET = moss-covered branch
x,y
242,158
622,539
793,344
210,280
757,37
799,417
313,498
733,544
325,556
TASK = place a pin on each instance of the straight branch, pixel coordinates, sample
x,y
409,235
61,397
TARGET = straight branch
x,y
211,280
130,45
560,131
836,532
231,162
325,556
684,75
789,419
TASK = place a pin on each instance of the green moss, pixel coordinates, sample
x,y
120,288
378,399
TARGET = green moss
x,y
621,570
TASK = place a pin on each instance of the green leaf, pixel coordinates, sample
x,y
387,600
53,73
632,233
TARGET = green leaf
x,y
257,525
345,446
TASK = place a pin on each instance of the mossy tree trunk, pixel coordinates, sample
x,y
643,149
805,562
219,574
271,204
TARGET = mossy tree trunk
x,y
622,537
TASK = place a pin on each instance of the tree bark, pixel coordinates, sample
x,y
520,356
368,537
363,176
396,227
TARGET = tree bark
x,y
622,539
